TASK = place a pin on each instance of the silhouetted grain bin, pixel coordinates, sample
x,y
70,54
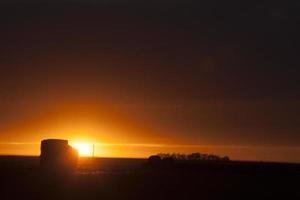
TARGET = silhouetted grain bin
x,y
57,155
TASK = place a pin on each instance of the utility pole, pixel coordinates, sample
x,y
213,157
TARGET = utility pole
x,y
93,150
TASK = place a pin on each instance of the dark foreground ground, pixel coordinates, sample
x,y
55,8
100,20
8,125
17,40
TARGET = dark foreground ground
x,y
102,178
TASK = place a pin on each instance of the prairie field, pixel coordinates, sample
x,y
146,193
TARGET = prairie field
x,y
119,178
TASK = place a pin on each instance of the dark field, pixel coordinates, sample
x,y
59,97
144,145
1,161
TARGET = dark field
x,y
105,178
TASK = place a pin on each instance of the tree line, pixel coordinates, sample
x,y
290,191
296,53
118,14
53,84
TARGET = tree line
x,y
193,157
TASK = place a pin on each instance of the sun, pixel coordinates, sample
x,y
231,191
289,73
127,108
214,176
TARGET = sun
x,y
83,149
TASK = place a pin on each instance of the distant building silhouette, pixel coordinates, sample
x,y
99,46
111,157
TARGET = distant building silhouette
x,y
154,160
57,155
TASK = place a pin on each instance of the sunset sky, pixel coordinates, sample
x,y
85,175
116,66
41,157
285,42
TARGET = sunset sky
x,y
143,78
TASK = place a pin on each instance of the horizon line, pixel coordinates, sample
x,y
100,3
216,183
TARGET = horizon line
x,y
151,145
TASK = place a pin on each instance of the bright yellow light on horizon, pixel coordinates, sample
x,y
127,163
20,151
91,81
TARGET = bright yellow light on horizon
x,y
83,149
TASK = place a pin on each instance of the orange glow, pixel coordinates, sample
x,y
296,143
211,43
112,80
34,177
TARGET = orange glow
x,y
83,149
130,150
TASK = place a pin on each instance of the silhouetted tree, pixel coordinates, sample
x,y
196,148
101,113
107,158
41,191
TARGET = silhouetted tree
x,y
226,158
194,156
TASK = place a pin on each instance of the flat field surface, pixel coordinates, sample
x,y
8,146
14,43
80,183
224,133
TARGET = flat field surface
x,y
112,178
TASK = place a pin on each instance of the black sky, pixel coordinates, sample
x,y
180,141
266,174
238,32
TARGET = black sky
x,y
215,72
